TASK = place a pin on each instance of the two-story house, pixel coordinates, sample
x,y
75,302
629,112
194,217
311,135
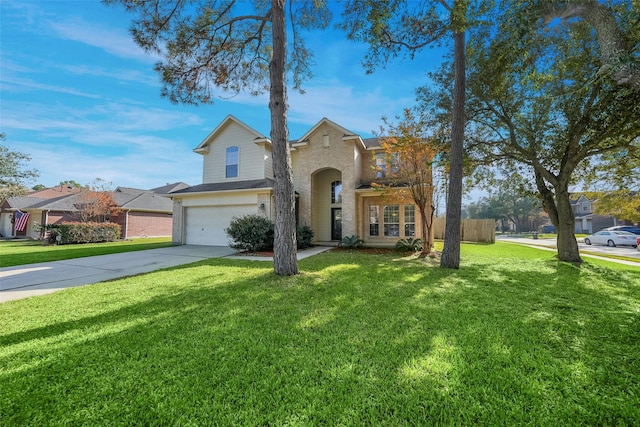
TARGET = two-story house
x,y
587,221
333,170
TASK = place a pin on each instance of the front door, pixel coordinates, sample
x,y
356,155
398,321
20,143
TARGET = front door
x,y
336,223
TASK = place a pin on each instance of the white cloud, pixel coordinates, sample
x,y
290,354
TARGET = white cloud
x,y
148,78
111,40
10,83
141,170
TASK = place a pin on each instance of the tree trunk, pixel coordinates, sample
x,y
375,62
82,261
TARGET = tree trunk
x,y
451,252
566,241
426,228
284,252
558,207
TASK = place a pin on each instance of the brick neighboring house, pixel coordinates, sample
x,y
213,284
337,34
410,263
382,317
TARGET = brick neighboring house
x,y
587,221
139,212
333,170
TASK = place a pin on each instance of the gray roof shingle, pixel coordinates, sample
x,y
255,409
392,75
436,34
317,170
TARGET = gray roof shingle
x,y
227,186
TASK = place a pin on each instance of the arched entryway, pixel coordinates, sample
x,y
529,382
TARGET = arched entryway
x,y
326,204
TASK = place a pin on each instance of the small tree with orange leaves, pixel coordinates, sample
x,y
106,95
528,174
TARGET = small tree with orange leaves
x,y
414,154
95,202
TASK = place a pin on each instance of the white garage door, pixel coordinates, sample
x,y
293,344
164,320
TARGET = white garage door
x,y
205,225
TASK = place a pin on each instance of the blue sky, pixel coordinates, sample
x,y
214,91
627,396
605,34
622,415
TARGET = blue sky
x,y
80,97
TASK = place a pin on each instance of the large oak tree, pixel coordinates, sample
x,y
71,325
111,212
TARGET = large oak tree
x,y
538,102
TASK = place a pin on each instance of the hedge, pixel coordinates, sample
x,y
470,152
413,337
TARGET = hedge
x,y
83,232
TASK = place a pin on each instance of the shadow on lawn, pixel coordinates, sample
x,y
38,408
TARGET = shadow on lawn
x,y
352,340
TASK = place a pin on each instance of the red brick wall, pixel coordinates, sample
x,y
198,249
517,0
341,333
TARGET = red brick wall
x,y
56,217
144,224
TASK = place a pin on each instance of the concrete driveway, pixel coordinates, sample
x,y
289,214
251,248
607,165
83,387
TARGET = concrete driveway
x,y
38,279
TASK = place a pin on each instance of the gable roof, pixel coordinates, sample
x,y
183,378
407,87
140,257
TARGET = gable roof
x,y
147,201
323,121
64,203
20,202
202,148
346,133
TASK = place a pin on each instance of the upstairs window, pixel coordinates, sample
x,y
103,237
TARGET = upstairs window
x,y
231,170
395,163
387,165
336,192
381,165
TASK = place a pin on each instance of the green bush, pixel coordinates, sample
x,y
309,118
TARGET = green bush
x,y
83,232
351,242
409,245
251,232
304,234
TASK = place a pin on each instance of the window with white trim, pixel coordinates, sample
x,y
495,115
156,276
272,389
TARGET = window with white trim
x,y
374,220
391,219
231,162
409,220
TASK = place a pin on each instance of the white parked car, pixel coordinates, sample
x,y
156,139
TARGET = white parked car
x,y
612,238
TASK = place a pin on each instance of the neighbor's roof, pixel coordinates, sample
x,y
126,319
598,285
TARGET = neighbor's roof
x,y
145,202
20,202
55,192
170,188
64,203
125,197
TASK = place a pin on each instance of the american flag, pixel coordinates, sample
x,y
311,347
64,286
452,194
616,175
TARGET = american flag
x,y
21,220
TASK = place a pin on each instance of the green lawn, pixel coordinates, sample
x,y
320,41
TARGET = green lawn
x,y
514,337
20,252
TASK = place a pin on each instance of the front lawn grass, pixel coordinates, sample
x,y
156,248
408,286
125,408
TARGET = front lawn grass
x,y
21,252
514,337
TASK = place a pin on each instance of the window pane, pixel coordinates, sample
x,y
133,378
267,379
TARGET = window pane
x,y
395,163
409,220
374,220
232,171
381,165
232,162
392,220
336,192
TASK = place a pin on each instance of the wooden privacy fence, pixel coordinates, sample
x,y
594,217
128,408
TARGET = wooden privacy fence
x,y
473,230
